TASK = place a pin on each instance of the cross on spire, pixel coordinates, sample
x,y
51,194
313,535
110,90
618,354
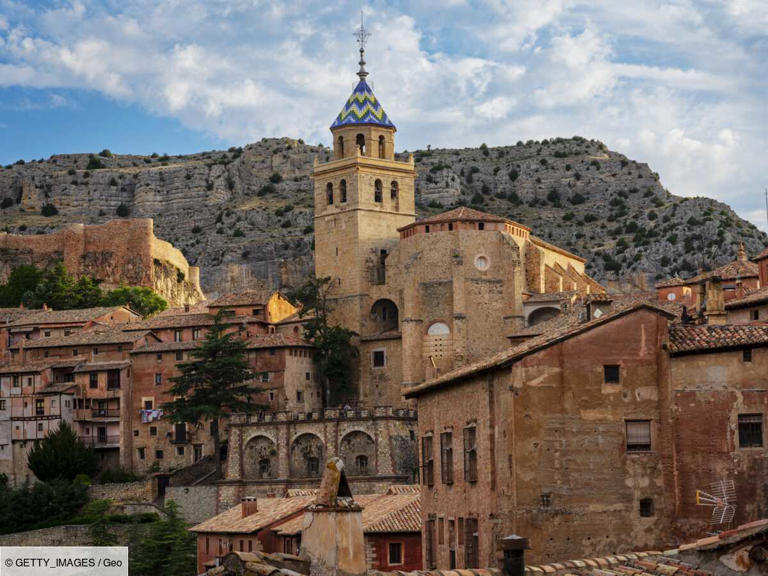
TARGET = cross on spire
x,y
362,36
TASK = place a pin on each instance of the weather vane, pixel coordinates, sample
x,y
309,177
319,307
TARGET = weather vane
x,y
362,36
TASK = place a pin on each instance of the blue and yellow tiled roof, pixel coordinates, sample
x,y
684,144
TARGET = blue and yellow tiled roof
x,y
362,107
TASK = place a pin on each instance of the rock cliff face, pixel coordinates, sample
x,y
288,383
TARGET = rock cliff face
x,y
244,216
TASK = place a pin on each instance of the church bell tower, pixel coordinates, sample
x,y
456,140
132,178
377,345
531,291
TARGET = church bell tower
x,y
362,196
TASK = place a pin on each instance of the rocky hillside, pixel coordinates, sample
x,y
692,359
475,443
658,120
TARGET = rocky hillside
x,y
245,215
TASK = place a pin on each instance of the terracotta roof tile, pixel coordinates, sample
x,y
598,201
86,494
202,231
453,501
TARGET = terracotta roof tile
x,y
463,214
65,316
762,255
754,297
689,338
99,335
269,511
166,321
246,298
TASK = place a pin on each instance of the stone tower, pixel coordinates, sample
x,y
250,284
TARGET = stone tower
x,y
362,196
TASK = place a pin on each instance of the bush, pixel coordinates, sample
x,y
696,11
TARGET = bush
x,y
6,203
308,229
94,163
577,199
276,178
112,181
484,149
477,198
106,153
554,197
123,211
196,229
266,189
238,233
117,476
40,504
286,224
71,171
49,210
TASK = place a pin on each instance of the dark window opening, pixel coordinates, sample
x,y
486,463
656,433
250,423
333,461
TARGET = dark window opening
x,y
361,465
394,190
93,380
750,430
381,147
470,454
379,359
343,190
481,226
754,315
360,141
471,552
546,500
329,193
377,191
746,355
611,374
427,461
395,553
341,146
646,507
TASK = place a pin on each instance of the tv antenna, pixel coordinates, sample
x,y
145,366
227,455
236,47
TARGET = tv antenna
x,y
722,499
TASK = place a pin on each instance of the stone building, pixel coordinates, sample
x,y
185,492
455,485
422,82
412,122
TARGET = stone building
x,y
272,452
592,437
418,293
117,252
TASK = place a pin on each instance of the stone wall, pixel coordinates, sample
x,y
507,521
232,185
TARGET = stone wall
x,y
196,503
117,252
69,535
123,491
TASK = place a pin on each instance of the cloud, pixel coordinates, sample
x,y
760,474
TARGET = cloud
x,y
678,85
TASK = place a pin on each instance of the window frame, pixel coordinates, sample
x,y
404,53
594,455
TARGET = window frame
x,y
610,379
428,460
748,426
401,544
637,447
446,457
383,352
470,453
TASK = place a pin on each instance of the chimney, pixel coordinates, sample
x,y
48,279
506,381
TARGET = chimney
x,y
249,506
45,307
332,540
715,304
514,547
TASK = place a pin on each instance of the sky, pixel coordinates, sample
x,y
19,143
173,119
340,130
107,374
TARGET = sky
x,y
680,85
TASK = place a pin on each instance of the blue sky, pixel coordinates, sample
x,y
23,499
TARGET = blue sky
x,y
680,85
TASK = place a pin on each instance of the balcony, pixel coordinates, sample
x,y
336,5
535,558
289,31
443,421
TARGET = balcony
x,y
102,441
97,413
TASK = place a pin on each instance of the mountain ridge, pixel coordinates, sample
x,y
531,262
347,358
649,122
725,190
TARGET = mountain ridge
x,y
244,215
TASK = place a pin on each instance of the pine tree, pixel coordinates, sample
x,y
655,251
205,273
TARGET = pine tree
x,y
168,548
215,383
61,455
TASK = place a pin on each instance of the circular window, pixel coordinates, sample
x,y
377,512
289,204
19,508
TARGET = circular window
x,y
671,296
482,263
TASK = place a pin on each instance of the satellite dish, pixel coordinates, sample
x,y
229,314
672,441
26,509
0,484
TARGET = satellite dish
x,y
722,499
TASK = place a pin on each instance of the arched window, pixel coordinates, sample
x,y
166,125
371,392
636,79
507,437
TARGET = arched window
x,y
385,315
329,193
377,191
381,146
360,141
341,146
393,190
343,190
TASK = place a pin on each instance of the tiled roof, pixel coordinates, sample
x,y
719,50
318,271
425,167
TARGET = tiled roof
x,y
166,347
9,315
57,388
29,367
738,269
758,296
182,320
690,338
763,255
568,329
671,282
246,298
382,513
276,340
269,511
362,107
99,366
65,316
681,561
87,337
462,214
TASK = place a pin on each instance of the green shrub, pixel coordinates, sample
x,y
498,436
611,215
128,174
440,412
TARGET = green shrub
x,y
123,211
196,229
112,181
276,178
117,476
238,233
49,210
94,163
6,203
106,153
266,189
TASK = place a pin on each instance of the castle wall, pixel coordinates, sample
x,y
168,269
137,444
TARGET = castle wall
x,y
117,252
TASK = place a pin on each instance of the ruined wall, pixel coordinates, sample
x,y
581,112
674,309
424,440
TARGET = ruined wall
x,y
119,251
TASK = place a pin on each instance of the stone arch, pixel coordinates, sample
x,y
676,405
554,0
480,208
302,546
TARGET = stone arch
x,y
358,451
360,141
260,459
343,191
307,453
329,193
378,191
385,316
542,314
